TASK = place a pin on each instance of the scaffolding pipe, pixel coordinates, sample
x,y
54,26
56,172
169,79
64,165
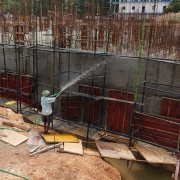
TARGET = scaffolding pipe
x,y
137,80
160,90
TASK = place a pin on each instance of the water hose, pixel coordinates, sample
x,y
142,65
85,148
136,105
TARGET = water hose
x,y
8,172
40,117
54,95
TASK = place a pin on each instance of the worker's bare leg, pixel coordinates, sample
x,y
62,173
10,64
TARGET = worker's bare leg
x,y
44,127
48,126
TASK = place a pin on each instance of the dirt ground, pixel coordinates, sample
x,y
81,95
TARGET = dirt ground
x,y
49,165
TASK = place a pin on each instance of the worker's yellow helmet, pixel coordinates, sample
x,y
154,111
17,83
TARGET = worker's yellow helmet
x,y
45,93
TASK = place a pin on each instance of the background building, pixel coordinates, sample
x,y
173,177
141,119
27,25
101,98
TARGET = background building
x,y
140,6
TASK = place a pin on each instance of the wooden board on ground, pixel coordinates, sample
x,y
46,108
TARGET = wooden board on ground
x,y
90,152
155,155
114,150
75,148
12,137
55,138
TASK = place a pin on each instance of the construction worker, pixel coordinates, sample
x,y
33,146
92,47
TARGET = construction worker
x,y
47,116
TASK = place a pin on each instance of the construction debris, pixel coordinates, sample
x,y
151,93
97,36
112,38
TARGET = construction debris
x,y
36,148
45,149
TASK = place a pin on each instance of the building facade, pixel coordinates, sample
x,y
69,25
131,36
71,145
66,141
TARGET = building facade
x,y
140,6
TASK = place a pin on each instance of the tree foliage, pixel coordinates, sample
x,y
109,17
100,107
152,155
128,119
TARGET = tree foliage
x,y
173,6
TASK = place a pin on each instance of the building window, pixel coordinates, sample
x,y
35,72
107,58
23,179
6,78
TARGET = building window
x,y
143,9
123,8
133,7
164,7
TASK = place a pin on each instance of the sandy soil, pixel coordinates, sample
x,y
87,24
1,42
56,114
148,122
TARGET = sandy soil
x,y
50,165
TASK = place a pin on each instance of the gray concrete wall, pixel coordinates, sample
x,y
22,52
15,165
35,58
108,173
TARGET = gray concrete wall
x,y
120,73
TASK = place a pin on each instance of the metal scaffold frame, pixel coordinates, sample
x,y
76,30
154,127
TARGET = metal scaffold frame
x,y
140,119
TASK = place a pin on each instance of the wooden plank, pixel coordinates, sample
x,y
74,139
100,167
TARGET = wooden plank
x,y
12,137
114,150
54,138
90,152
124,152
155,155
75,148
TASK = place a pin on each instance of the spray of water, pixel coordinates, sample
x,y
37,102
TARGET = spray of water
x,y
83,74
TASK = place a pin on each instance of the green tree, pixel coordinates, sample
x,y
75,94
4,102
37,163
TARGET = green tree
x,y
173,6
79,5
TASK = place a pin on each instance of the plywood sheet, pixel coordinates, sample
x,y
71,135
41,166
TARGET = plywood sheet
x,y
12,137
75,148
114,150
155,155
51,138
90,152
124,152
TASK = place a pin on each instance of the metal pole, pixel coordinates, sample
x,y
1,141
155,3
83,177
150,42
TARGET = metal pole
x,y
4,59
36,47
137,80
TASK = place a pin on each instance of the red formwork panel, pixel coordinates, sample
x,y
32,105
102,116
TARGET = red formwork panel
x,y
116,114
128,114
156,124
26,82
164,106
157,131
69,107
158,141
119,113
110,110
4,84
81,106
11,85
89,109
123,112
11,81
170,107
155,134
27,101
